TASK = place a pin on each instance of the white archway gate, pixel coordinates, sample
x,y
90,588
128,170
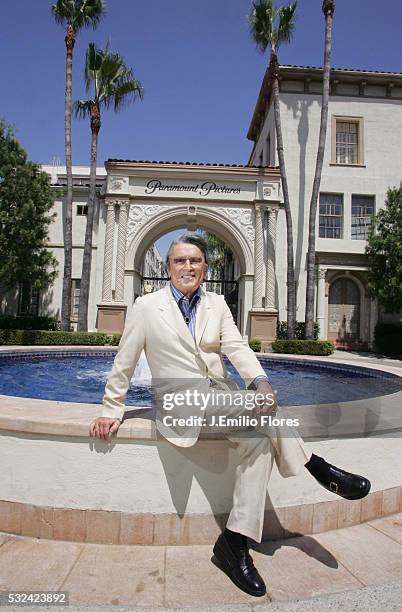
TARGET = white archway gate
x,y
145,200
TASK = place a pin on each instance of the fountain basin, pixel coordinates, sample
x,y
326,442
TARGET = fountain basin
x,y
57,482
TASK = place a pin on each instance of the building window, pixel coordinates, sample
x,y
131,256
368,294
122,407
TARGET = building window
x,y
331,215
82,210
28,300
347,140
75,297
362,216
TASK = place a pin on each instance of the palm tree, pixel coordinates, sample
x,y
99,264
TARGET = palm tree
x,y
328,7
218,255
75,15
114,85
269,27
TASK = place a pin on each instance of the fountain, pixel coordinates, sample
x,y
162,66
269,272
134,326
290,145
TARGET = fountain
x,y
58,482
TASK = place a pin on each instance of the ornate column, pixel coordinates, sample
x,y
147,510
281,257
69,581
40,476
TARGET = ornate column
x,y
108,255
258,257
373,320
121,250
321,303
270,276
263,320
112,314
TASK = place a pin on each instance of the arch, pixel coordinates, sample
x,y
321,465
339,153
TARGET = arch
x,y
171,219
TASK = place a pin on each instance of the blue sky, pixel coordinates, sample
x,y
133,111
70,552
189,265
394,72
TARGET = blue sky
x,y
200,71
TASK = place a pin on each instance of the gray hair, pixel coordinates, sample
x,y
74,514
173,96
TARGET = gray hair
x,y
194,239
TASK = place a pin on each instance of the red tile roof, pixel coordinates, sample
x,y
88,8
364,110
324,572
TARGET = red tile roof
x,y
181,163
341,69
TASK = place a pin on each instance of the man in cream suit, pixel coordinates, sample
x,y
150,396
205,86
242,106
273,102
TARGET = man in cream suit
x,y
184,331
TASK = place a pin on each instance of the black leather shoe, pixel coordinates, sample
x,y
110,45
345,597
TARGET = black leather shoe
x,y
237,563
345,484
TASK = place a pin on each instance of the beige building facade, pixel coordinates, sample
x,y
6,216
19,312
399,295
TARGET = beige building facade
x,y
139,202
363,158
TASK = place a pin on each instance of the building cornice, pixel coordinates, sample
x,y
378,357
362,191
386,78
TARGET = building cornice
x,y
309,74
116,166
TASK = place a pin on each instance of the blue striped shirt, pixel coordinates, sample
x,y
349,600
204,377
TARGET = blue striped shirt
x,y
188,309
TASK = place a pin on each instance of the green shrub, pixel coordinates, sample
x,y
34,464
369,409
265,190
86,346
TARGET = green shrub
x,y
282,327
304,347
113,339
40,337
46,323
388,338
255,344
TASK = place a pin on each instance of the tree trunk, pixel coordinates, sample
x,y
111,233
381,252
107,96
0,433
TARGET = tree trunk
x,y
68,242
328,9
291,292
87,257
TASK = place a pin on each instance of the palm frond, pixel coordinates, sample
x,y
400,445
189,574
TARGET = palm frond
x,y
126,93
88,13
93,63
261,19
63,11
114,83
79,13
82,108
92,12
112,67
286,23
265,29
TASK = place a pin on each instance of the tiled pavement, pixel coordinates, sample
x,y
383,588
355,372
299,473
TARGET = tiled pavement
x,y
367,358
183,576
363,562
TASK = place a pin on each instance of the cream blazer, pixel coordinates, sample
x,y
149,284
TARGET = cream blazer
x,y
155,324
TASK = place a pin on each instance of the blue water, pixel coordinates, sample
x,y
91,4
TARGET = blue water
x,y
81,377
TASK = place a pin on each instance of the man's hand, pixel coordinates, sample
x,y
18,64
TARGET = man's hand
x,y
103,427
265,399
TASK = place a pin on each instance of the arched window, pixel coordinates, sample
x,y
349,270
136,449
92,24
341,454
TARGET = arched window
x,y
344,310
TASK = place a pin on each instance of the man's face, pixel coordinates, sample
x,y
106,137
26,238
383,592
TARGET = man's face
x,y
186,267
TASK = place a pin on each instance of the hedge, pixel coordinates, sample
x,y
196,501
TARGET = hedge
x,y
304,347
255,344
44,338
282,327
46,323
388,338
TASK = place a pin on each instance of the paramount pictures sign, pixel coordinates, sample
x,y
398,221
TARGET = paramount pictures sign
x,y
159,188
204,189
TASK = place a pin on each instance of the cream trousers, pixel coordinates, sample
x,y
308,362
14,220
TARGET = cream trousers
x,y
258,448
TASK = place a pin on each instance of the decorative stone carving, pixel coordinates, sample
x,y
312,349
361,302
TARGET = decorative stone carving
x,y
270,278
138,215
242,217
258,257
108,257
118,183
271,191
121,250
